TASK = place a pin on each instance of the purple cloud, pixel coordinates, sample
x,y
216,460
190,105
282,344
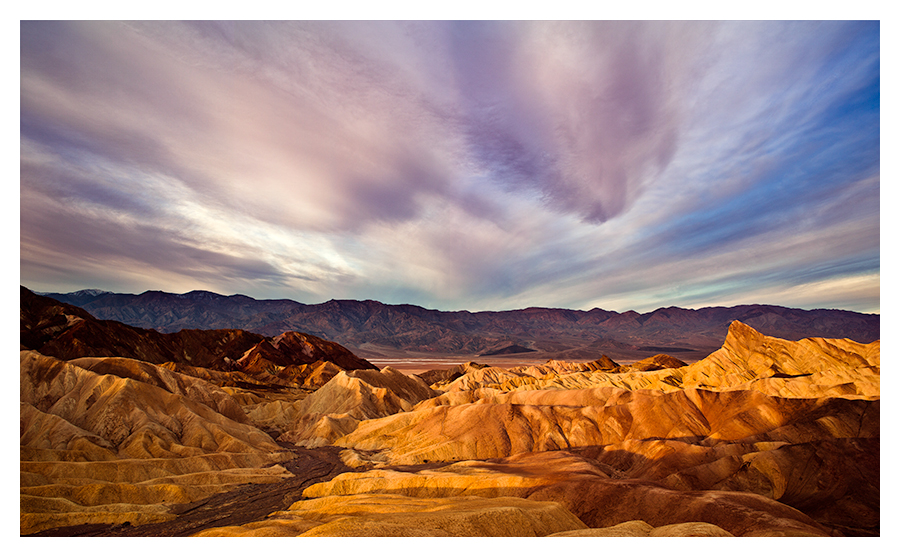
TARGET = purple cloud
x,y
453,164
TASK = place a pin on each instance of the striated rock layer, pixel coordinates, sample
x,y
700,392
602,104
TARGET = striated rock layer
x,y
398,515
550,420
584,488
124,441
748,360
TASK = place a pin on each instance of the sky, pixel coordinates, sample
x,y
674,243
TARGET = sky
x,y
480,165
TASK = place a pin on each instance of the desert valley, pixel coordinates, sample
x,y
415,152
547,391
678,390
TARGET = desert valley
x,y
129,431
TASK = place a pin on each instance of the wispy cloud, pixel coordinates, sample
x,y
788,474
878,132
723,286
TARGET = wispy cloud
x,y
480,165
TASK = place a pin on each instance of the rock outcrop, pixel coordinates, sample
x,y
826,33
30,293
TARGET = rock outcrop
x,y
660,361
813,367
351,397
524,421
446,376
639,528
297,348
171,381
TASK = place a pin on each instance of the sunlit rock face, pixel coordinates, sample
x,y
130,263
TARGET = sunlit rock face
x,y
125,440
584,487
351,397
785,420
193,388
399,515
813,367
550,420
823,389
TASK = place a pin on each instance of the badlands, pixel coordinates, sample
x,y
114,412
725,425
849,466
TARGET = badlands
x,y
131,432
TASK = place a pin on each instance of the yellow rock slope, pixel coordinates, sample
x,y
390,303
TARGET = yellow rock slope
x,y
126,444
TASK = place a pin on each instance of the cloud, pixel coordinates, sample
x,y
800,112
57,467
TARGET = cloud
x,y
478,165
585,113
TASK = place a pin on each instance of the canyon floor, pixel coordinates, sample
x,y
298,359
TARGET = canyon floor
x,y
764,437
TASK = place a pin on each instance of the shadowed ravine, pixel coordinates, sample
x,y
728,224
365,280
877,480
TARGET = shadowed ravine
x,y
242,505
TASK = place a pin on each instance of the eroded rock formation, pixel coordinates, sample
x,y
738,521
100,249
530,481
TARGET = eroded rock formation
x,y
351,397
128,441
785,420
765,437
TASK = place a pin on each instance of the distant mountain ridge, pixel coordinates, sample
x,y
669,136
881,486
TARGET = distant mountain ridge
x,y
65,331
374,329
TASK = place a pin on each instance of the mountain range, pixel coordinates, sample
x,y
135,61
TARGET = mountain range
x,y
67,332
373,329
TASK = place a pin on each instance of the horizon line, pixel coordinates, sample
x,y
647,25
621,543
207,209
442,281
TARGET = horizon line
x,y
102,291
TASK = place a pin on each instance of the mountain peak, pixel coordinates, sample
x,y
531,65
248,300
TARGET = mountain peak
x,y
200,295
90,293
742,335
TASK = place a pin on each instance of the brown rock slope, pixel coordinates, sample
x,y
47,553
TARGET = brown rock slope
x,y
639,528
294,348
169,380
399,515
472,376
748,360
446,376
660,361
526,421
127,441
65,332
